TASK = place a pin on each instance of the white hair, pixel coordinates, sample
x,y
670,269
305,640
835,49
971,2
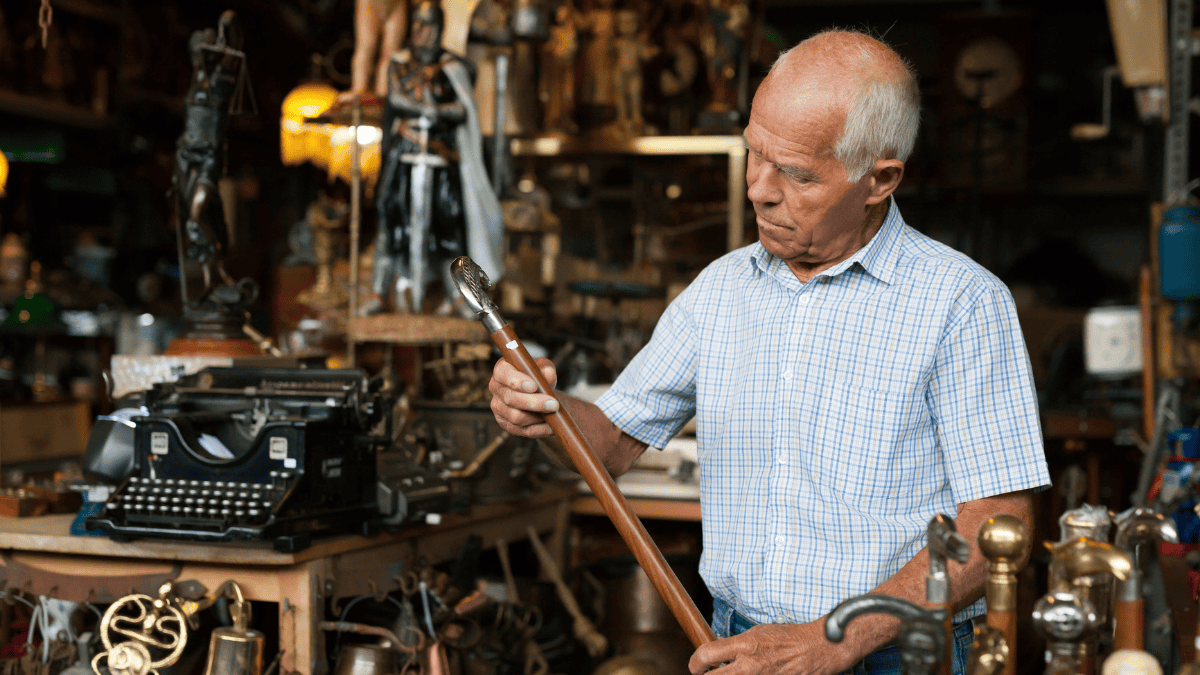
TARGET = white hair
x,y
883,119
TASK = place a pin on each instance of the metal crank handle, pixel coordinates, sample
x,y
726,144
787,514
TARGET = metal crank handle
x,y
472,283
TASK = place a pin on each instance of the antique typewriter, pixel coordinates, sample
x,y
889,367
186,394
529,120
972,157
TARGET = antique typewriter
x,y
251,453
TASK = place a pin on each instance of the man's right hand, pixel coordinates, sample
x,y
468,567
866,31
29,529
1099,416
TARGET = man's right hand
x,y
518,408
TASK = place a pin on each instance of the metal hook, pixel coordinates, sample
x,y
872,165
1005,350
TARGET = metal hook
x,y
380,595
408,582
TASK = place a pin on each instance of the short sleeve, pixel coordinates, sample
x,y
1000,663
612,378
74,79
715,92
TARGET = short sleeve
x,y
983,400
655,395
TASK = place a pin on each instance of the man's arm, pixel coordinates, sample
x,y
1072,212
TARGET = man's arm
x,y
520,411
802,648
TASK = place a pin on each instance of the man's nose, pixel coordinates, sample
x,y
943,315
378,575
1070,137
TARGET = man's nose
x,y
762,182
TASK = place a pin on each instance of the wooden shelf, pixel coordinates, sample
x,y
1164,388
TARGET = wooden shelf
x,y
414,329
553,146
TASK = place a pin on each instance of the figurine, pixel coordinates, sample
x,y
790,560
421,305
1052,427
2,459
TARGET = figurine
x,y
325,218
434,199
503,32
723,44
376,23
557,90
490,43
599,22
219,69
630,51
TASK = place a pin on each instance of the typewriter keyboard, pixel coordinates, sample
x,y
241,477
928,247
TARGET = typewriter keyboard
x,y
197,504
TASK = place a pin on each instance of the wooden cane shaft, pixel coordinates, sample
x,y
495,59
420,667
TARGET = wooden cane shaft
x,y
1006,622
1130,617
1087,665
610,498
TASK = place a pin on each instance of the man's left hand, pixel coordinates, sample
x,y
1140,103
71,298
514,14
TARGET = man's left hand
x,y
774,649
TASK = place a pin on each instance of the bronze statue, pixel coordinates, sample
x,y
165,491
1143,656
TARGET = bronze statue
x,y
218,83
378,27
557,90
630,51
728,24
434,199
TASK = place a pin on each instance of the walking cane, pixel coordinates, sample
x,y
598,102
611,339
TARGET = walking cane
x,y
471,282
1136,526
1004,541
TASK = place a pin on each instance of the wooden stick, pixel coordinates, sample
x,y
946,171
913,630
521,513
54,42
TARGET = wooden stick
x,y
593,640
1146,307
611,500
1129,618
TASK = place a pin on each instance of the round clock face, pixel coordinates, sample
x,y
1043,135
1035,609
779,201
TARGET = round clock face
x,y
987,70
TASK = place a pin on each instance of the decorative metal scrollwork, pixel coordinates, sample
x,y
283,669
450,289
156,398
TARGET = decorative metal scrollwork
x,y
152,626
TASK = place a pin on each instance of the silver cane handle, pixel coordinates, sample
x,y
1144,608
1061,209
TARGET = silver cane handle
x,y
473,283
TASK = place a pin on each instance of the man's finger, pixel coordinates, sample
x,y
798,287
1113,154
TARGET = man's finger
x,y
713,654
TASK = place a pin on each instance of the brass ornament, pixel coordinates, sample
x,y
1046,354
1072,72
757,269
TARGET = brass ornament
x,y
147,623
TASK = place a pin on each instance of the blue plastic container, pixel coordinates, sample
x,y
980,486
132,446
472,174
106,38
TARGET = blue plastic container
x,y
1179,253
1189,442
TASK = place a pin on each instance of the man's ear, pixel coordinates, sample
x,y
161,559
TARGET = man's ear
x,y
883,179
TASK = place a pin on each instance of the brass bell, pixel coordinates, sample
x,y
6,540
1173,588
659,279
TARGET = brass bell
x,y
365,659
236,649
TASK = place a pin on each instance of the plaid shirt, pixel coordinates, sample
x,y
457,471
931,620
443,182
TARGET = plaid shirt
x,y
836,417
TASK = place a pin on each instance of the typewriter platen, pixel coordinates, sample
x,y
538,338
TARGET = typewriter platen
x,y
251,453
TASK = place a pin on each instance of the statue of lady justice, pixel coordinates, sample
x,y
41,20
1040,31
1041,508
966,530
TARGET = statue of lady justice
x,y
434,199
218,82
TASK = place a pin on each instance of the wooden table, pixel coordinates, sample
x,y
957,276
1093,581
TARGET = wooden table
x,y
41,557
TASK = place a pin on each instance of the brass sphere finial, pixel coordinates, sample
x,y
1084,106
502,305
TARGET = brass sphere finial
x,y
1003,538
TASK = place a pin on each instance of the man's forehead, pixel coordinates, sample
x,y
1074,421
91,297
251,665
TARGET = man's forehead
x,y
789,106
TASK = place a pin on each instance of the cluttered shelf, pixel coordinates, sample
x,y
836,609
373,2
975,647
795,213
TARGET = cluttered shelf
x,y
553,146
42,557
51,534
413,329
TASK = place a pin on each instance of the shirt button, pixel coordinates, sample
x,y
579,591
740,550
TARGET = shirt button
x,y
779,618
783,459
803,299
787,374
780,540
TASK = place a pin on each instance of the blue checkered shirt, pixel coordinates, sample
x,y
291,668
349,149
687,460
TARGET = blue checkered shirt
x,y
836,417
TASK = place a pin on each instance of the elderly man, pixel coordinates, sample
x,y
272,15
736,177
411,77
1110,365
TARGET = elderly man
x,y
850,378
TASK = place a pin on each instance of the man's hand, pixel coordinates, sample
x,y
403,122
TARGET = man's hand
x,y
518,408
775,649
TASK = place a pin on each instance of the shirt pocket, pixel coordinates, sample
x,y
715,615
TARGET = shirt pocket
x,y
869,447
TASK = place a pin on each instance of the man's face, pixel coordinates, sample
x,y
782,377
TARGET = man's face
x,y
807,211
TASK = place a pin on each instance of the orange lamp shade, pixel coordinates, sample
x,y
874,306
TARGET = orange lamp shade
x,y
3,172
301,141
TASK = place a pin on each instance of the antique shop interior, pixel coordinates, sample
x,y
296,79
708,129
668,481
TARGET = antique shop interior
x,y
259,261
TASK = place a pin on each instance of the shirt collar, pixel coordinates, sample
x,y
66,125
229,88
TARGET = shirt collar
x,y
879,257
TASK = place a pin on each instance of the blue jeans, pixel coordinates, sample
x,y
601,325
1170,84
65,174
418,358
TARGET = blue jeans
x,y
886,661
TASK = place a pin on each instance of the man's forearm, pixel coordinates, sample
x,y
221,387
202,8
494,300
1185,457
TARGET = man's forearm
x,y
615,449
966,580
